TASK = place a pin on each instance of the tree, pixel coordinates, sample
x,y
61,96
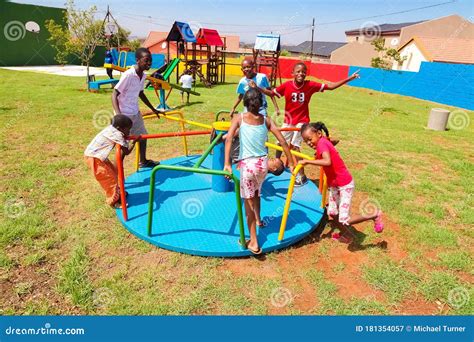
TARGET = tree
x,y
386,55
79,37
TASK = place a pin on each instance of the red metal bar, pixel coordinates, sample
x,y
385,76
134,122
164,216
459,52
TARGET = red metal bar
x,y
121,180
167,135
289,129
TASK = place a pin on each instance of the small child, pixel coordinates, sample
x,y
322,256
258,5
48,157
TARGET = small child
x,y
255,80
97,156
253,158
340,181
186,80
297,93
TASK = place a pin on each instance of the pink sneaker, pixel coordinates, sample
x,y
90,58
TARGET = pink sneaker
x,y
378,223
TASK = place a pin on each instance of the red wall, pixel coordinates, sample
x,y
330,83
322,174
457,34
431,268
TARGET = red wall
x,y
327,72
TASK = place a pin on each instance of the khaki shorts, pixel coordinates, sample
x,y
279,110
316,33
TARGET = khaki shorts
x,y
138,127
293,138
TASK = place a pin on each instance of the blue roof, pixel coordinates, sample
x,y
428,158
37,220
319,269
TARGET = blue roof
x,y
267,42
181,32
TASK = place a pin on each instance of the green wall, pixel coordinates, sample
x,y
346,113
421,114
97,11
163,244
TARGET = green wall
x,y
19,47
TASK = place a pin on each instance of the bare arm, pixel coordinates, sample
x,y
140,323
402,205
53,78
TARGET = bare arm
x,y
115,103
275,103
228,143
325,161
239,98
145,100
127,151
276,132
335,85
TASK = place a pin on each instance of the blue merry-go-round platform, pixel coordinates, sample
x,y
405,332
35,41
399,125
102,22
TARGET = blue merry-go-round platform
x,y
189,217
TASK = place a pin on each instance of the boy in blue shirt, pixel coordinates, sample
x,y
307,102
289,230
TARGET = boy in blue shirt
x,y
252,79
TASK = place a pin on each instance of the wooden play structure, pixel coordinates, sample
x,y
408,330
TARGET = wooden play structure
x,y
266,53
207,49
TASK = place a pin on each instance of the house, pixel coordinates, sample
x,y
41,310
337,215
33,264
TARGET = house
x,y
321,50
359,52
435,49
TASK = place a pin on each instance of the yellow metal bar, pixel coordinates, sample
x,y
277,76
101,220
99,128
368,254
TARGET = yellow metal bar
x,y
286,210
137,155
325,191
183,129
150,116
295,153
164,85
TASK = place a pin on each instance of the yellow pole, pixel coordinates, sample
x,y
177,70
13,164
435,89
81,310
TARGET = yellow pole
x,y
286,210
137,155
150,116
295,153
325,191
183,129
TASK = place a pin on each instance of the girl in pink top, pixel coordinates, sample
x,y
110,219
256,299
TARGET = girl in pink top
x,y
340,181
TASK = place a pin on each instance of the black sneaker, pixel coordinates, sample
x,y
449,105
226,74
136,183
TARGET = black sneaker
x,y
149,163
301,180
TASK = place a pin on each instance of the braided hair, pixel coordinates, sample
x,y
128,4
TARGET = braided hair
x,y
315,126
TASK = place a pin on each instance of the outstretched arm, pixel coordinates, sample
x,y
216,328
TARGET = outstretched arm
x,y
335,85
148,104
239,98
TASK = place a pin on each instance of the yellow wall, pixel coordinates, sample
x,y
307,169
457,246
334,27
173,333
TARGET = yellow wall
x,y
232,68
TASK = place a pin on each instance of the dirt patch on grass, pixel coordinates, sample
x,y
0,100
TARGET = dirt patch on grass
x,y
340,263
23,286
417,306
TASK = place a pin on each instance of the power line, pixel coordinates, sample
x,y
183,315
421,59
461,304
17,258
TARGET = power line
x,y
386,14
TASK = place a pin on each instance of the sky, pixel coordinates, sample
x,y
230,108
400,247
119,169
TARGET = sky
x,y
291,19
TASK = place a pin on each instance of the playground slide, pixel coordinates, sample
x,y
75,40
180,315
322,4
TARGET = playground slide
x,y
169,70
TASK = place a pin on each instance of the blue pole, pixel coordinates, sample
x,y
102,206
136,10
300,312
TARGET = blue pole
x,y
219,183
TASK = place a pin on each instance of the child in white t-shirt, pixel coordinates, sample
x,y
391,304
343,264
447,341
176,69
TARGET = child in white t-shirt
x,y
186,81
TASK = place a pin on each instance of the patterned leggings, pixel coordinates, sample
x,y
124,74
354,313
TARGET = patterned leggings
x,y
340,199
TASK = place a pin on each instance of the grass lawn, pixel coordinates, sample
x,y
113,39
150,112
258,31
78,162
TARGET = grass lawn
x,y
62,250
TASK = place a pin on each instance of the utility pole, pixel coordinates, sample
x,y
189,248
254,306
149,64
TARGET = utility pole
x,y
312,39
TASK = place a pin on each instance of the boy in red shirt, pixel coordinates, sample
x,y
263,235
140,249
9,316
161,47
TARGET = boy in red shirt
x,y
297,93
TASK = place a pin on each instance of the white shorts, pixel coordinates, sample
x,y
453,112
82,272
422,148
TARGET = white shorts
x,y
138,127
293,138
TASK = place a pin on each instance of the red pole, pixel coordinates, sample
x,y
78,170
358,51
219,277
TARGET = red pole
x,y
121,180
167,135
